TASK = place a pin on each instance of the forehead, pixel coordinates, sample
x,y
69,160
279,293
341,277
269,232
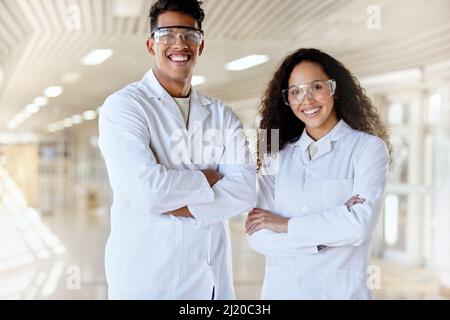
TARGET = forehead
x,y
306,72
172,18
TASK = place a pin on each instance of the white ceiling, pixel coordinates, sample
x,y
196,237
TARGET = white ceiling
x,y
38,45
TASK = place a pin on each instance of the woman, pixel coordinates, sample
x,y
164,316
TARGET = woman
x,y
319,199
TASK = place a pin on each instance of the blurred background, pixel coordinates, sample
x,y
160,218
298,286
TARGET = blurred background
x,y
60,59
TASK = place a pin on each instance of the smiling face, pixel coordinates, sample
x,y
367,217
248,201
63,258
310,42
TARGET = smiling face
x,y
174,63
319,116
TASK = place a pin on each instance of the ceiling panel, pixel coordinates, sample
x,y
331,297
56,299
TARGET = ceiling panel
x,y
42,40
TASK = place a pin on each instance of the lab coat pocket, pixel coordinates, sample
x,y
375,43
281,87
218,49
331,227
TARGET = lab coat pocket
x,y
335,192
343,284
153,264
276,283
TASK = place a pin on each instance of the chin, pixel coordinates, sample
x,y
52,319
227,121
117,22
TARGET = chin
x,y
313,124
180,76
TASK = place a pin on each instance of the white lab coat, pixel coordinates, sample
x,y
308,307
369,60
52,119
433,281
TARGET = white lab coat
x,y
313,194
151,255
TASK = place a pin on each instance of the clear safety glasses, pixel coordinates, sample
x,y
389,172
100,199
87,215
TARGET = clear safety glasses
x,y
316,90
169,35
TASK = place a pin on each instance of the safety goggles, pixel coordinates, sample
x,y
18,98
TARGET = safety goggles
x,y
317,90
169,35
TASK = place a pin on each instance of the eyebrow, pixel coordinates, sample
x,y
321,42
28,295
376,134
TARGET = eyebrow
x,y
305,84
178,27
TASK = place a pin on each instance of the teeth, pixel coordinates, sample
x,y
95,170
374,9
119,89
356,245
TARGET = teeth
x,y
179,58
310,111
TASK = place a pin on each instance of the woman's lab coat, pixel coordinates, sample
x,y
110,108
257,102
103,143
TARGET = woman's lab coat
x,y
151,255
313,194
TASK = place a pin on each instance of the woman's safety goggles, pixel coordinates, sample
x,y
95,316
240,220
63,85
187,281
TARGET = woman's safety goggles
x,y
317,90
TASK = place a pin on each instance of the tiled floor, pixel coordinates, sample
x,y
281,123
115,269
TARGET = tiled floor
x,y
61,257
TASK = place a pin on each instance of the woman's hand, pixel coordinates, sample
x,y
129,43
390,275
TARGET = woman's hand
x,y
262,219
354,200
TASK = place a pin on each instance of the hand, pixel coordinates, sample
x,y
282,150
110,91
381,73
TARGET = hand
x,y
212,176
262,219
182,212
354,200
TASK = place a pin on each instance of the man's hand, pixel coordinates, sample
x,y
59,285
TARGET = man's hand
x,y
262,219
182,212
212,176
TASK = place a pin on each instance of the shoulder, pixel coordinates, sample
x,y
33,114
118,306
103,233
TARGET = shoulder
x,y
366,140
368,145
218,108
214,104
126,99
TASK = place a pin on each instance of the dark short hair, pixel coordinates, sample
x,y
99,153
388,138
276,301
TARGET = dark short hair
x,y
190,7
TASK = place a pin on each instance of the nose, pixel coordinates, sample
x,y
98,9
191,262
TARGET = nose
x,y
180,41
307,98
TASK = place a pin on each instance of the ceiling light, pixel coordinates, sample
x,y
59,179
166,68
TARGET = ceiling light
x,y
68,123
89,115
77,119
396,77
247,62
32,108
70,77
53,92
97,57
53,127
60,125
40,101
198,80
12,125
21,117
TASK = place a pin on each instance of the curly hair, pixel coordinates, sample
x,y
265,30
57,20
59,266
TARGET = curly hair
x,y
351,104
190,7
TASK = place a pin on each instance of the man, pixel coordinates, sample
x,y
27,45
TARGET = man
x,y
172,196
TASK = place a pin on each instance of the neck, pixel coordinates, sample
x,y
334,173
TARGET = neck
x,y
177,89
319,132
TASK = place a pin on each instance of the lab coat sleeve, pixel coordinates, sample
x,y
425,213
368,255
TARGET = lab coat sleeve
x,y
339,226
265,241
132,167
235,193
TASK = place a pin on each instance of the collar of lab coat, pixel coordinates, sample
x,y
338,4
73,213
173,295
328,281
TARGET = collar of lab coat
x,y
198,112
324,144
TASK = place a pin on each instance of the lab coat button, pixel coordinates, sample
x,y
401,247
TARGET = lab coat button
x,y
305,209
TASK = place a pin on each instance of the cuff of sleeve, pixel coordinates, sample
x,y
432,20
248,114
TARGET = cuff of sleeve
x,y
293,226
205,189
314,250
209,196
200,218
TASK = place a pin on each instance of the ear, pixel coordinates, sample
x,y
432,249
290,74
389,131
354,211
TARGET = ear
x,y
202,46
150,44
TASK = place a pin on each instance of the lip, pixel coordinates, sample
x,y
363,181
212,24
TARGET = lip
x,y
311,112
179,62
